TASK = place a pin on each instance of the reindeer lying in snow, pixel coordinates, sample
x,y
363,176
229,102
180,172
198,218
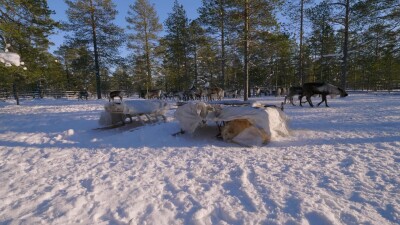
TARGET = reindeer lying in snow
x,y
324,89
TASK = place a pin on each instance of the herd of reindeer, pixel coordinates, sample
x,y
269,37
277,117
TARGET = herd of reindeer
x,y
215,93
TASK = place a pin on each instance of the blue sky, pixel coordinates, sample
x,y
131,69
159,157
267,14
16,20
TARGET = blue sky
x,y
163,7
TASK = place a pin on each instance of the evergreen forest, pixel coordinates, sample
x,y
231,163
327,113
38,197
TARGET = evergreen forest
x,y
232,44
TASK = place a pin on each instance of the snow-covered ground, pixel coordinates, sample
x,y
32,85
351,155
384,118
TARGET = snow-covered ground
x,y
341,165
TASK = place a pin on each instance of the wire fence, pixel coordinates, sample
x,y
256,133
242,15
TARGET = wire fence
x,y
74,95
35,94
70,95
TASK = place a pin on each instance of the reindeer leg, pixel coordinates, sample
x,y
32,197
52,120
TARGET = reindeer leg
x,y
309,101
326,102
323,100
291,101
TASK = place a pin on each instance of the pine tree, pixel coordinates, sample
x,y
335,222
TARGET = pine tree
x,y
121,80
253,16
378,42
295,11
82,73
26,25
322,40
66,53
197,43
90,22
176,42
214,15
144,23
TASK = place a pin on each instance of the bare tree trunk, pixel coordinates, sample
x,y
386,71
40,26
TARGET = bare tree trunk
x,y
323,59
345,46
223,61
68,76
246,51
148,64
301,73
15,91
96,54
196,68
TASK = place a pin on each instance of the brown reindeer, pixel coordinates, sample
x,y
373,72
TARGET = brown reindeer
x,y
114,94
324,89
215,91
201,94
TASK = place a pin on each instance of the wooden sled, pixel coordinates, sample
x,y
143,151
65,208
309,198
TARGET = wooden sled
x,y
140,112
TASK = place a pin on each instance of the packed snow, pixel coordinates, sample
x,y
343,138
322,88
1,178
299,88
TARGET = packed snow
x,y
339,165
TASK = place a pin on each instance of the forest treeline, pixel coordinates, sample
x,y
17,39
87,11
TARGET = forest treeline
x,y
233,44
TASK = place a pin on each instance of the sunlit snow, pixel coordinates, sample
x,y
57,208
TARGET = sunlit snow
x,y
339,165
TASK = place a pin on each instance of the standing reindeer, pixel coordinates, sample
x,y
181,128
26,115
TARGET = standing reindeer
x,y
83,95
153,94
324,89
292,92
256,91
216,92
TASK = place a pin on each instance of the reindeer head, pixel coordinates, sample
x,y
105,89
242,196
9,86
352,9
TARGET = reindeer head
x,y
343,93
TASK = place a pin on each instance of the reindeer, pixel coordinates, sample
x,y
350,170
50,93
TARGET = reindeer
x,y
202,94
191,94
114,94
232,93
324,89
83,95
256,91
215,91
292,92
153,94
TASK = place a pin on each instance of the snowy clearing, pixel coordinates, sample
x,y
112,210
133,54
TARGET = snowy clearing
x,y
340,165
